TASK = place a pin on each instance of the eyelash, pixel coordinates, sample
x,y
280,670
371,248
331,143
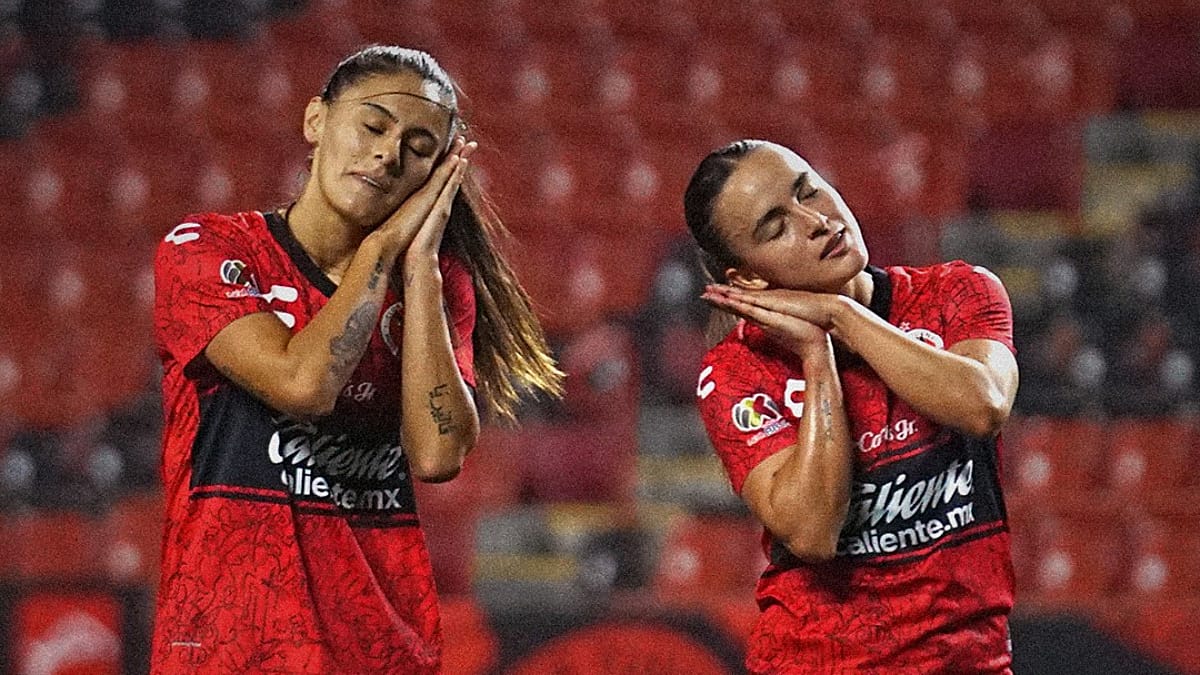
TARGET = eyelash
x,y
373,129
811,193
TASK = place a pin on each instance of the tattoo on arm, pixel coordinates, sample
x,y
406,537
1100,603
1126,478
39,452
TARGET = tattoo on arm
x,y
375,274
827,418
444,418
347,348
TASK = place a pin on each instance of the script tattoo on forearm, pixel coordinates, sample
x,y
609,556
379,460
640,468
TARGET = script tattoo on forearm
x,y
441,416
348,347
826,413
375,274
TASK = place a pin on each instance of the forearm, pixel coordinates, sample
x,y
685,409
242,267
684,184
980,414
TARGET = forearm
x,y
325,352
949,388
302,373
810,493
440,423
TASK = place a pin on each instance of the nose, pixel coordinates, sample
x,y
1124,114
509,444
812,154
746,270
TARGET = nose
x,y
388,153
817,222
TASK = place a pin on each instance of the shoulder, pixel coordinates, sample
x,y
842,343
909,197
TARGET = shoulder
x,y
212,228
745,352
948,277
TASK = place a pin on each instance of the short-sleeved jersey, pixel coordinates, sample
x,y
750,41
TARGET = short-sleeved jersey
x,y
290,545
922,580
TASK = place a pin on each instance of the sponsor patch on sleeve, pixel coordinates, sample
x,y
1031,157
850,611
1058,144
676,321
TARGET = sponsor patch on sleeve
x,y
759,415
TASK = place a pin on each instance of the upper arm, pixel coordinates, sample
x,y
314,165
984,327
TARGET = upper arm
x,y
760,483
998,362
252,352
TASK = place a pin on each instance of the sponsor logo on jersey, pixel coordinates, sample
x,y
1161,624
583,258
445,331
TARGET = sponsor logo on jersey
x,y
334,467
755,412
901,430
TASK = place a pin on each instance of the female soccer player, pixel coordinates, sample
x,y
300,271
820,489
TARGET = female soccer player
x,y
316,360
856,411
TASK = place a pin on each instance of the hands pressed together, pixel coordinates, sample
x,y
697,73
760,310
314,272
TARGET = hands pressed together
x,y
416,228
801,320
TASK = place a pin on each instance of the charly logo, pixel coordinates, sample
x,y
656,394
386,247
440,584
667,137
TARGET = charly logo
x,y
754,412
927,336
391,316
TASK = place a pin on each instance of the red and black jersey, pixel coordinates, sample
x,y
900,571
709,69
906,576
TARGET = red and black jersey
x,y
922,581
290,545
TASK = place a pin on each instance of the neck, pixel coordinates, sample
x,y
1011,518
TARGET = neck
x,y
860,288
325,236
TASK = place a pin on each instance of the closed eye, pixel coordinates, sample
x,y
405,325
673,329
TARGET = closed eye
x,y
374,129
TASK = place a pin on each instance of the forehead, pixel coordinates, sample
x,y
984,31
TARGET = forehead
x,y
407,96
760,180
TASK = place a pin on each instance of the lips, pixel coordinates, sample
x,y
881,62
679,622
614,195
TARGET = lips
x,y
373,181
834,243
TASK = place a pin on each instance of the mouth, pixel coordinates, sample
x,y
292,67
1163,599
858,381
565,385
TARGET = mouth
x,y
835,246
373,182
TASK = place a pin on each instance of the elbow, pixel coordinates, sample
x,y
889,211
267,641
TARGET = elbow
x,y
989,415
812,549
303,401
436,471
445,462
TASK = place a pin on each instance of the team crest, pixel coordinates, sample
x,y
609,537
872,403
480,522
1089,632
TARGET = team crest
x,y
391,319
927,336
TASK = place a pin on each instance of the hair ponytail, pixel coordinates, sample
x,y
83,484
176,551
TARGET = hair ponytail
x,y
511,354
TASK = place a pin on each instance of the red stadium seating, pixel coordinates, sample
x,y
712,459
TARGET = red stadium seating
x,y
1078,553
1028,166
1149,456
56,546
133,535
591,462
1047,455
709,556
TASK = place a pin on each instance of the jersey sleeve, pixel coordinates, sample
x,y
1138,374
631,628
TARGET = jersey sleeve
x,y
977,306
458,291
204,280
748,409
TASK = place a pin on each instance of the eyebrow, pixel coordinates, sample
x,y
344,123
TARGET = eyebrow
x,y
418,130
778,211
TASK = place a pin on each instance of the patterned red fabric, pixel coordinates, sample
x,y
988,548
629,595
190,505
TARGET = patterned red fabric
x,y
922,582
290,546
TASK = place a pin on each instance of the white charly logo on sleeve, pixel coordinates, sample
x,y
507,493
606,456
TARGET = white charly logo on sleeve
x,y
703,388
183,233
793,397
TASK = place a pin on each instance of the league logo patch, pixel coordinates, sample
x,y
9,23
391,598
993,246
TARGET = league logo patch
x,y
754,412
231,272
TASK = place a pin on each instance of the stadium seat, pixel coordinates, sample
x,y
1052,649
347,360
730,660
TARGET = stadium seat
x,y
472,647
57,546
133,536
1165,557
1048,455
602,380
1080,552
1145,456
1166,629
591,462
706,556
1028,166
1155,59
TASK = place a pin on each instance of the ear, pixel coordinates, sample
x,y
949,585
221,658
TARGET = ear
x,y
314,119
747,280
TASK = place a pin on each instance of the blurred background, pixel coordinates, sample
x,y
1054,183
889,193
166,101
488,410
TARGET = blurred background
x,y
1054,141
